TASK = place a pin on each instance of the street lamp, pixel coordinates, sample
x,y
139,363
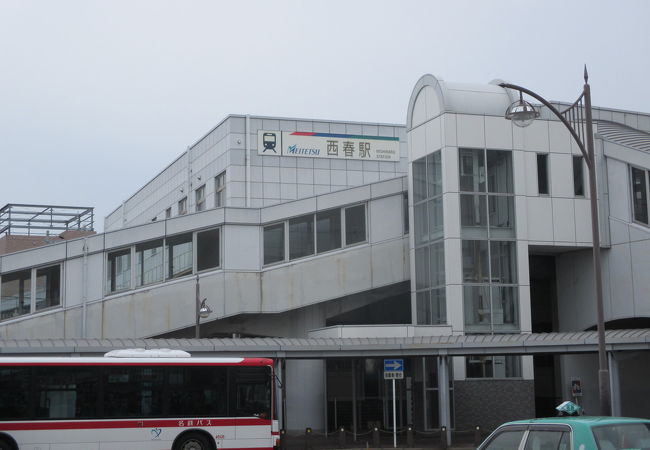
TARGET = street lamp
x,y
203,310
577,119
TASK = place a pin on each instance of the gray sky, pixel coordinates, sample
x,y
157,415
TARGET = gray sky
x,y
96,97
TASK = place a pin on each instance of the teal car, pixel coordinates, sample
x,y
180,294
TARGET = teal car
x,y
571,433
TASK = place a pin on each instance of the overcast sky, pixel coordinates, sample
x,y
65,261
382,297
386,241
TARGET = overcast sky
x,y
96,97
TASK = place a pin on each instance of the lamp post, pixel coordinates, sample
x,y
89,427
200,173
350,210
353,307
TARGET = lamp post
x,y
577,119
202,310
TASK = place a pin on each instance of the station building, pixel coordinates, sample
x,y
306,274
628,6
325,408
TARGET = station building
x,y
457,223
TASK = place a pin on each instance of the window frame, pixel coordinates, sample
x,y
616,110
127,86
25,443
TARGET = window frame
x,y
578,167
646,174
547,181
33,272
107,277
220,190
182,206
199,198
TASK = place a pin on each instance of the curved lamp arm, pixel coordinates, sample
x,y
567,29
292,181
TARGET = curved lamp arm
x,y
559,115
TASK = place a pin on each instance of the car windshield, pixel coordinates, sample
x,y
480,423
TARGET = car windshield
x,y
623,436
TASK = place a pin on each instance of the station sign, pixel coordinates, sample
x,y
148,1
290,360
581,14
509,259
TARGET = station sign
x,y
393,369
327,145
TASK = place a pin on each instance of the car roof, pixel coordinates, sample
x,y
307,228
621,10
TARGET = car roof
x,y
590,421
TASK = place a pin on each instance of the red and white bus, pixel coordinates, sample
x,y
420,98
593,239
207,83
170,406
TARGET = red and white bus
x,y
137,400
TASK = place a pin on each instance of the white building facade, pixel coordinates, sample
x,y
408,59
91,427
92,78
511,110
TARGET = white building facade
x,y
457,223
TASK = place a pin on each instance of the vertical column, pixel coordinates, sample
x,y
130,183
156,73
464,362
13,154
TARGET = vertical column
x,y
443,394
354,400
278,382
615,384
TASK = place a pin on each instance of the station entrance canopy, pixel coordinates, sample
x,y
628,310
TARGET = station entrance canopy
x,y
323,348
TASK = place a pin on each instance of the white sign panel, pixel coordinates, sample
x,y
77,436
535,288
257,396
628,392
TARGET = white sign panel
x,y
327,145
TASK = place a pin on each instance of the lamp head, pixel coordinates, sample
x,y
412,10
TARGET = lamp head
x,y
521,112
204,310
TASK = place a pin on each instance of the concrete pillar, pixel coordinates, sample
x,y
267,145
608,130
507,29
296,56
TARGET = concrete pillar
x,y
615,384
444,410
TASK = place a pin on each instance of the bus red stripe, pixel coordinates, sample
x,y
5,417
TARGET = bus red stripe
x,y
103,424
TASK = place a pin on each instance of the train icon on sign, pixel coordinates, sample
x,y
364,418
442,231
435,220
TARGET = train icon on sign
x,y
269,140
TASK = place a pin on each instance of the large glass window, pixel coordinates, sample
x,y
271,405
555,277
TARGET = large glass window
x,y
179,255
119,270
428,236
48,287
207,249
500,366
274,243
198,391
16,294
355,224
488,247
133,391
65,392
328,230
578,177
301,236
639,179
149,262
15,386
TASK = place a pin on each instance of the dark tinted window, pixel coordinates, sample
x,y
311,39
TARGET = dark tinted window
x,y
578,178
250,392
14,392
133,391
65,392
542,174
207,249
301,236
328,230
197,391
639,195
274,243
355,224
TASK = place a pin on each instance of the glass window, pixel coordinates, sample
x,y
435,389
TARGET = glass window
x,y
437,263
473,217
207,249
544,439
65,392
542,174
500,366
328,230
149,262
220,190
405,211
168,213
503,262
182,206
475,261
119,270
499,171
501,212
199,198
355,224
16,292
623,436
505,311
15,386
431,307
434,207
179,255
133,391
250,393
419,180
472,170
506,440
48,287
478,313
578,178
274,243
422,268
198,391
301,236
421,223
639,195
434,174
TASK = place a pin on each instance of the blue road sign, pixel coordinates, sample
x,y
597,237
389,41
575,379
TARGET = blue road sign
x,y
393,365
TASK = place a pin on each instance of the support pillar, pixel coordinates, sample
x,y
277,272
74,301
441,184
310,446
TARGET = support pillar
x,y
615,384
443,396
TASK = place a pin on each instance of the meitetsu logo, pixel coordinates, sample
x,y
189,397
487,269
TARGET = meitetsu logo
x,y
295,150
